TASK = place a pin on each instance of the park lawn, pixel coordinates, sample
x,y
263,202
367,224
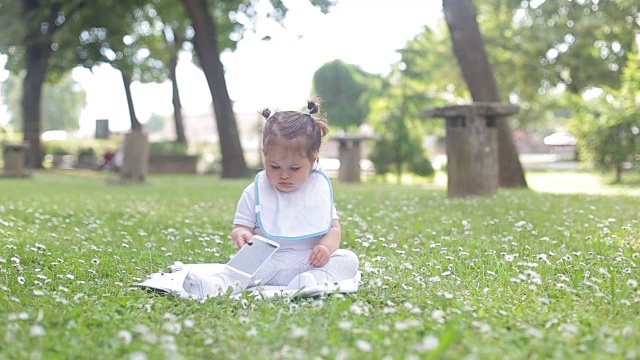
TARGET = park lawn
x,y
525,274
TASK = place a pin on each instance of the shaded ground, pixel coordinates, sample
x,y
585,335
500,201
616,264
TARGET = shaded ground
x,y
546,173
548,162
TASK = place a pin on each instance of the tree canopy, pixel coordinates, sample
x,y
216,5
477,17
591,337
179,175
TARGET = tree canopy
x,y
538,50
62,103
345,90
125,34
608,127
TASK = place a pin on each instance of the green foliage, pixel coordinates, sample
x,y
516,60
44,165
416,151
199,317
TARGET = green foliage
x,y
429,68
344,90
423,78
592,53
77,148
608,127
9,135
11,91
10,28
86,152
119,39
399,148
57,149
536,47
155,123
421,165
539,51
381,155
520,275
168,148
130,35
62,103
397,113
554,46
49,22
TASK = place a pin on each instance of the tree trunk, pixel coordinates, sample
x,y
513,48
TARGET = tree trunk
x,y
37,57
37,60
38,42
468,46
206,45
135,124
177,104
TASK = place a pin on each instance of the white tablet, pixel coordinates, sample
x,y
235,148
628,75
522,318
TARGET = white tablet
x,y
250,258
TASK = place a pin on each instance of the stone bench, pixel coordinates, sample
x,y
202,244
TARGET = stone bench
x,y
349,154
173,164
14,155
472,146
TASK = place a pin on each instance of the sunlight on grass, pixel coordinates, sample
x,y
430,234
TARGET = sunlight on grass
x,y
561,182
523,274
578,183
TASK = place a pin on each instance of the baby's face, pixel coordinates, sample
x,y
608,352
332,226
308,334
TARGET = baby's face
x,y
287,170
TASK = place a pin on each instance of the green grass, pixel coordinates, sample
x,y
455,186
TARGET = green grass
x,y
525,274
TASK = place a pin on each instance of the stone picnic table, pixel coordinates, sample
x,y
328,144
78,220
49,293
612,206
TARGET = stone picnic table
x,y
349,153
472,146
13,155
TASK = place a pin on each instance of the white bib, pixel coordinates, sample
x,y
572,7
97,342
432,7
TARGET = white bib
x,y
301,214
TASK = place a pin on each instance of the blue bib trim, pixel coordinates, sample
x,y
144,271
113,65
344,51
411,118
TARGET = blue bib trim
x,y
292,238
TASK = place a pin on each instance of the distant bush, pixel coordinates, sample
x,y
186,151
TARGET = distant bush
x,y
168,148
80,147
58,150
381,156
421,166
86,151
412,158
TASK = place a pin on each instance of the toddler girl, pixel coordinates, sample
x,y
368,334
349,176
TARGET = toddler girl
x,y
291,203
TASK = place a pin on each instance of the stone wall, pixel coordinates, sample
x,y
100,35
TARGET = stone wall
x,y
173,164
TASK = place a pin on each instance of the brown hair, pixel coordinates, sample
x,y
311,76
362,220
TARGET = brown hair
x,y
294,125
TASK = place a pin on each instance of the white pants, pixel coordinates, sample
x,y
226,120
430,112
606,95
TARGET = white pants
x,y
282,269
285,265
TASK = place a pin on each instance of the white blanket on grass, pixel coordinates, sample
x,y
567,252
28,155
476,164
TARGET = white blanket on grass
x,y
173,283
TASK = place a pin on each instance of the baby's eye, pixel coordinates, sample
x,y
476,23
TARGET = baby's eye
x,y
295,168
275,167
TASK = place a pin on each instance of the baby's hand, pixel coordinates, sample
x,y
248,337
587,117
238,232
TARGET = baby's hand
x,y
319,256
243,239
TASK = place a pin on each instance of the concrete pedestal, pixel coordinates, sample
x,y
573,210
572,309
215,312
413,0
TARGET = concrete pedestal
x,y
472,146
349,155
14,155
135,158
